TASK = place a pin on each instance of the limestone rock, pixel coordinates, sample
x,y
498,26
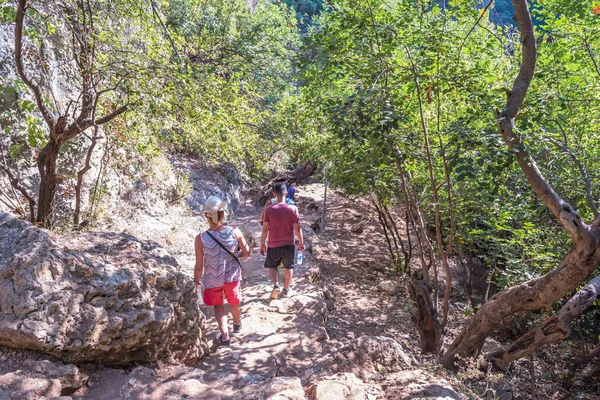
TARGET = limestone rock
x,y
68,374
430,392
22,387
418,384
278,388
388,287
369,355
358,228
310,237
95,296
342,386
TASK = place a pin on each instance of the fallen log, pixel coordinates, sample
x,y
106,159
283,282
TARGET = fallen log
x,y
298,175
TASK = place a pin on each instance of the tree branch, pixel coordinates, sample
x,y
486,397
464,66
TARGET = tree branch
x,y
14,181
473,28
37,92
589,50
552,330
561,209
589,198
112,115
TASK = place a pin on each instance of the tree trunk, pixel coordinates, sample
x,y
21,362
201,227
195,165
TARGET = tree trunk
x,y
579,263
584,255
86,167
48,180
385,231
425,317
552,329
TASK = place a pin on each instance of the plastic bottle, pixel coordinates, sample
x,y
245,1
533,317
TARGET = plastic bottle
x,y
299,258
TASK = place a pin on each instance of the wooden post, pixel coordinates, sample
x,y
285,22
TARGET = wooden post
x,y
324,200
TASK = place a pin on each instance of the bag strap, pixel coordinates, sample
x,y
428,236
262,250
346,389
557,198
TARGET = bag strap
x,y
224,248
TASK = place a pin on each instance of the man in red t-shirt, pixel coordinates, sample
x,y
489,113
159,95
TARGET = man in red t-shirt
x,y
281,220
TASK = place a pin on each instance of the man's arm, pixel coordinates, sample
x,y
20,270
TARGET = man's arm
x,y
299,235
245,249
199,267
262,214
263,238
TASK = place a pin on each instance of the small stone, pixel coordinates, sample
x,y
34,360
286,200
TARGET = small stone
x,y
132,382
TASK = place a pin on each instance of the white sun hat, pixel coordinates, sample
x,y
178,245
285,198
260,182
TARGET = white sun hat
x,y
212,206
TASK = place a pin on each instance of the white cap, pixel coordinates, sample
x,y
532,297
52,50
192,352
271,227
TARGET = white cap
x,y
212,206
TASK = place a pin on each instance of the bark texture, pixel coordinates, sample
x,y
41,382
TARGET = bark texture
x,y
553,329
425,317
584,254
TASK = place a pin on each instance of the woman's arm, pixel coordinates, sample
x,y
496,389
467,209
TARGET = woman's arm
x,y
198,268
244,247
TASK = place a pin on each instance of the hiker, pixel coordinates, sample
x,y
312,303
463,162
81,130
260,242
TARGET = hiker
x,y
291,192
273,200
219,267
281,220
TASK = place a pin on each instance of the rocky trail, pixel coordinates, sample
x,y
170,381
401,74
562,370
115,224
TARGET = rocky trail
x,y
343,334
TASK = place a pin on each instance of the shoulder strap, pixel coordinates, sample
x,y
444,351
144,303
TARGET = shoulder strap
x,y
224,248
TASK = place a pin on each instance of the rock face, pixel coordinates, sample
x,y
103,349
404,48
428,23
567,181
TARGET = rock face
x,y
223,180
100,297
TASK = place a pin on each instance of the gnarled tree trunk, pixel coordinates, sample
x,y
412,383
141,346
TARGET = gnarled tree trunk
x,y
61,131
48,180
583,257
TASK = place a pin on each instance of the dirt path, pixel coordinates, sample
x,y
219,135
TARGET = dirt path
x,y
275,353
337,337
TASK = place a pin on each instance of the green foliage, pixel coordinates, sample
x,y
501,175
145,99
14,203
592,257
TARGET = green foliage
x,y
358,68
207,79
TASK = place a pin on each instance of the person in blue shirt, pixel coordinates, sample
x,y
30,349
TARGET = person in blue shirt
x,y
291,192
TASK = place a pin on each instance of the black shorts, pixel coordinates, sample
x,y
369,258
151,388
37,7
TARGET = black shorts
x,y
278,255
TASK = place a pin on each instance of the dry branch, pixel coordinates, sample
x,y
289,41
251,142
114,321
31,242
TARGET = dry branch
x,y
589,198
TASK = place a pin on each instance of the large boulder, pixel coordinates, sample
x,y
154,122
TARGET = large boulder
x,y
95,297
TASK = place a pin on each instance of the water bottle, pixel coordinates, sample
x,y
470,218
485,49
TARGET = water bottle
x,y
299,259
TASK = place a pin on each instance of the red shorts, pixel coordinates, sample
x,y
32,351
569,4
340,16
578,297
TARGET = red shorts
x,y
214,296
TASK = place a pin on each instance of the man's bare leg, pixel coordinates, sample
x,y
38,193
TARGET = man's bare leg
x,y
287,277
274,272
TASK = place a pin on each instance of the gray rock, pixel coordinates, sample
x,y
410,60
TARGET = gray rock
x,y
68,374
369,355
432,392
342,386
278,388
22,387
95,296
388,287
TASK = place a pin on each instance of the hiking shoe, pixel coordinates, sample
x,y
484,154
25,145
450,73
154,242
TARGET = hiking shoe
x,y
237,328
222,342
287,293
275,293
